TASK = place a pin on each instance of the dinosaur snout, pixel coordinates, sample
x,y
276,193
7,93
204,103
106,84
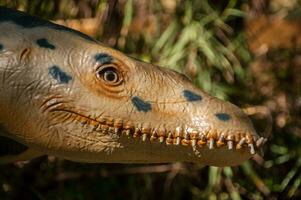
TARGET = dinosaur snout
x,y
220,124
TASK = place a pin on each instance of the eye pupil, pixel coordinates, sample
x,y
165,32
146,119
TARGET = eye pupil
x,y
110,76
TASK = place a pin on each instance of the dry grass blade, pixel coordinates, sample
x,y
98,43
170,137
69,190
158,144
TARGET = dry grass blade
x,y
290,175
258,182
232,190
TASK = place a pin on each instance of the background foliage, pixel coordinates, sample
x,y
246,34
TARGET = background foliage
x,y
245,52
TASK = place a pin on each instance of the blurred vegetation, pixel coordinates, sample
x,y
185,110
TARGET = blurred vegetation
x,y
231,49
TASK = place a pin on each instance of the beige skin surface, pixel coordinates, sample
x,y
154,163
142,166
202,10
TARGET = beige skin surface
x,y
64,94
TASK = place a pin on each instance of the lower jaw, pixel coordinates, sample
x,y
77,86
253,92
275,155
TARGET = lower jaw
x,y
139,152
208,139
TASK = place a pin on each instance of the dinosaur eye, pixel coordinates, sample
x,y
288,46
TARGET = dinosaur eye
x,y
108,74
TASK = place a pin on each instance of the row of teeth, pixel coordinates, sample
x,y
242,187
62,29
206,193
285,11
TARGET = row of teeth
x,y
202,140
209,138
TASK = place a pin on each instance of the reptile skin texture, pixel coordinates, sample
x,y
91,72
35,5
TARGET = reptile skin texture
x,y
65,94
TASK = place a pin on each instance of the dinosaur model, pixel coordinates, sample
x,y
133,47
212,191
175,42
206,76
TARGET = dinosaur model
x,y
65,94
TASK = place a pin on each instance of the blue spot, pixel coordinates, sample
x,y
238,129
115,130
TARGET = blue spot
x,y
223,116
103,58
59,75
1,47
45,44
27,21
141,105
191,96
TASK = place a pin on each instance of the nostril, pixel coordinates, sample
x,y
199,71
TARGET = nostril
x,y
25,53
223,116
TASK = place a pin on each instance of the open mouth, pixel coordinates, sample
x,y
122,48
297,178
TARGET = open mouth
x,y
210,138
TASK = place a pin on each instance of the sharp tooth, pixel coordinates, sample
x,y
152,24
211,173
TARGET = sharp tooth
x,y
145,128
144,136
186,136
194,134
252,150
116,130
193,143
201,135
230,137
127,132
161,139
178,141
222,138
264,140
260,141
161,132
211,143
153,138
230,144
202,140
169,141
221,142
137,132
240,143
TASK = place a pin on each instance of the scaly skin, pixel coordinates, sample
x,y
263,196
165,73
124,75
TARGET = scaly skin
x,y
65,94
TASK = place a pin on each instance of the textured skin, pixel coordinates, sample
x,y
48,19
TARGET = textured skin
x,y
55,100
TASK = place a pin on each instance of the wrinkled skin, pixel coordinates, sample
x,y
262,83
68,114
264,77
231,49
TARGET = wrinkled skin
x,y
67,95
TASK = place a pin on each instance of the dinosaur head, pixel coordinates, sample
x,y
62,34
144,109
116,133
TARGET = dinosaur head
x,y
119,109
77,99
